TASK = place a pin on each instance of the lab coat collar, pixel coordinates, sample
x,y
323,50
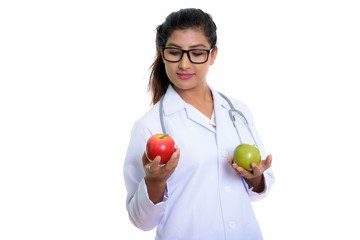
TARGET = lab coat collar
x,y
173,102
218,99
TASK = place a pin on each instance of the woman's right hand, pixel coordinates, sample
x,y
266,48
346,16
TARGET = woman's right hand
x,y
156,176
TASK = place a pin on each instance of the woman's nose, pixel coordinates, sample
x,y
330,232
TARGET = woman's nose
x,y
184,62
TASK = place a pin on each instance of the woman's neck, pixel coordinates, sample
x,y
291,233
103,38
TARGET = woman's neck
x,y
200,98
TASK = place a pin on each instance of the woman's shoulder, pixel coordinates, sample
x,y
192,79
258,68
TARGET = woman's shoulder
x,y
151,113
238,104
150,120
232,100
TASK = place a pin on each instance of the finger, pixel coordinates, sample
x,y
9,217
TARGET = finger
x,y
265,164
232,163
176,155
154,166
256,169
243,172
268,160
174,159
239,169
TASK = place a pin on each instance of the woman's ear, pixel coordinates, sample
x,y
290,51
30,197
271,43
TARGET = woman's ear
x,y
213,55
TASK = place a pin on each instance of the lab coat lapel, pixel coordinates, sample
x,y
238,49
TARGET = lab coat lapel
x,y
221,111
224,127
196,116
173,103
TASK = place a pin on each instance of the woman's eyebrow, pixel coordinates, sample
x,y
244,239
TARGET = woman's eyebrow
x,y
173,45
198,45
193,46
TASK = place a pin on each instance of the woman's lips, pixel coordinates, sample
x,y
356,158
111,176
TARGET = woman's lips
x,y
185,76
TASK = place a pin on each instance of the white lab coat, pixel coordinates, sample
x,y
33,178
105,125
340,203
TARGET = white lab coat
x,y
205,197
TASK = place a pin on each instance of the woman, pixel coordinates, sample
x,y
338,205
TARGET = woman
x,y
200,193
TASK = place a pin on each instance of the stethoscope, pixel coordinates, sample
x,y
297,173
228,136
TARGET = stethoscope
x,y
233,112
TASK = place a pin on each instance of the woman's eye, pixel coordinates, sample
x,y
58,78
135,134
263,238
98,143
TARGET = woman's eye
x,y
175,53
197,53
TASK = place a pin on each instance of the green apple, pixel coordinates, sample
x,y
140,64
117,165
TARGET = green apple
x,y
246,154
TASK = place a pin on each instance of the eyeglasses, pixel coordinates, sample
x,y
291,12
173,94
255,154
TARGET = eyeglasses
x,y
196,56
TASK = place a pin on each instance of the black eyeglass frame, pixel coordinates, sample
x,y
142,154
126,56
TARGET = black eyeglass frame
x,y
187,53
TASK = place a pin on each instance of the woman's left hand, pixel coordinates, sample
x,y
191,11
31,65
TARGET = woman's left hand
x,y
254,178
257,169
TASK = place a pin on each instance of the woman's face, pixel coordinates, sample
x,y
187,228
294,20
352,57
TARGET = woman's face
x,y
183,74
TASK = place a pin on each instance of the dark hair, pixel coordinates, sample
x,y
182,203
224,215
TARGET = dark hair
x,y
180,20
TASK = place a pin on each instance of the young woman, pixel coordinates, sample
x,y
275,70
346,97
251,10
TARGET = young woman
x,y
200,193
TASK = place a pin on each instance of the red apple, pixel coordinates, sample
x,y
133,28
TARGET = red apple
x,y
160,145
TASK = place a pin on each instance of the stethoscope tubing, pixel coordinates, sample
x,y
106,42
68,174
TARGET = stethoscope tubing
x,y
232,112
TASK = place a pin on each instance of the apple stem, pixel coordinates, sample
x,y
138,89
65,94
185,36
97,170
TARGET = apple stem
x,y
163,136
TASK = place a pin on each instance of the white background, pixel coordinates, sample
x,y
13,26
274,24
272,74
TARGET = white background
x,y
73,79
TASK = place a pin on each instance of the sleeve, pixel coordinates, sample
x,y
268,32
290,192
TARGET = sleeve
x,y
269,180
269,177
142,212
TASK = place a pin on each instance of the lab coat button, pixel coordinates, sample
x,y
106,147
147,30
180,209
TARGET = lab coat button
x,y
227,189
225,153
232,224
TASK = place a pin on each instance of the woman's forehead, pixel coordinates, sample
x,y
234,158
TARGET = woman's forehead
x,y
190,38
